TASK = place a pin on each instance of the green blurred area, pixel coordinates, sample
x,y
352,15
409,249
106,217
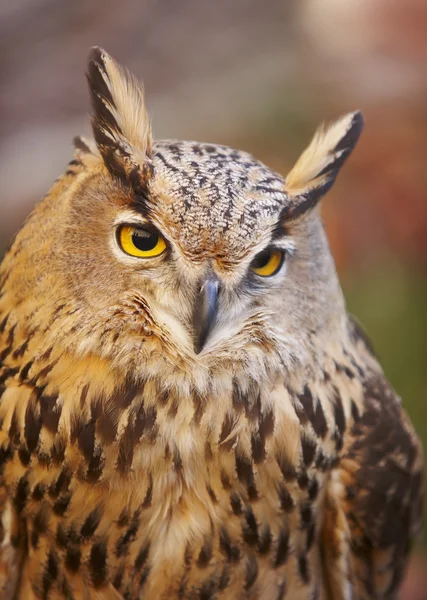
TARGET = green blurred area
x,y
390,300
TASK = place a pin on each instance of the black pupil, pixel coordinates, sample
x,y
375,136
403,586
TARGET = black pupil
x,y
262,259
144,240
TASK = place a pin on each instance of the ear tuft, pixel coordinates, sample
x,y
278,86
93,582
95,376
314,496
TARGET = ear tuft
x,y
84,146
315,171
120,123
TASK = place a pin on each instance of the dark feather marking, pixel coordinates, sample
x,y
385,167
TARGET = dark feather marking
x,y
200,404
250,527
314,414
79,144
265,539
106,427
344,369
50,413
61,484
86,439
124,517
287,468
39,491
24,456
95,466
252,404
4,353
225,480
231,551
91,523
304,569
258,439
211,494
286,502
142,556
144,576
5,320
57,451
205,554
306,515
98,563
266,425
118,578
14,430
177,460
61,536
149,495
7,372
21,494
124,396
20,351
145,420
251,572
44,372
72,559
302,479
236,503
311,534
339,413
208,589
309,448
282,549
40,524
225,578
226,430
246,475
313,489
122,544
83,395
50,573
25,370
60,506
97,73
238,398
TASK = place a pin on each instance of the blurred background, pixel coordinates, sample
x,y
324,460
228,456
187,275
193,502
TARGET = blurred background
x,y
258,75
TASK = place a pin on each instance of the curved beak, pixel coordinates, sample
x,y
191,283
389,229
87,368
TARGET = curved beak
x,y
205,312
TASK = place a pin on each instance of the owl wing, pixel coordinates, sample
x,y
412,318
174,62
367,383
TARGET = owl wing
x,y
10,547
374,503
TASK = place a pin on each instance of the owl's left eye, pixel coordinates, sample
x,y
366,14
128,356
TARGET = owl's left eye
x,y
141,242
267,262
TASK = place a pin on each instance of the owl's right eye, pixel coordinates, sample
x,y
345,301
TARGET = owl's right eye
x,y
141,242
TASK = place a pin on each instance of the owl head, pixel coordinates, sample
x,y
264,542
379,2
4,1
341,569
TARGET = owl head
x,y
177,256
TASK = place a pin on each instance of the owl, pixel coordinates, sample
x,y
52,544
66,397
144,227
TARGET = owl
x,y
187,411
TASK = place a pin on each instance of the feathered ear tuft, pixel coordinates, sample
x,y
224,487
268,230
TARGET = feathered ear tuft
x,y
120,123
316,169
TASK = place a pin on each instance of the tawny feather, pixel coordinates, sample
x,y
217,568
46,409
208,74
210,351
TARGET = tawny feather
x,y
320,162
120,122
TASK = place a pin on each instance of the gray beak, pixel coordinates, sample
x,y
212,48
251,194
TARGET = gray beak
x,y
205,312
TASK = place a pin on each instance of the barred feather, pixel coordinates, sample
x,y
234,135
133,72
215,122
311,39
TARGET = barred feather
x,y
316,169
120,122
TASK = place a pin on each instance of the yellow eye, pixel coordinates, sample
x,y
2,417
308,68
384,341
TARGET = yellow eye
x,y
268,262
143,243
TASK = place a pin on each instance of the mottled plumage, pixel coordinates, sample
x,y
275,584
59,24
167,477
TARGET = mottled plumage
x,y
180,426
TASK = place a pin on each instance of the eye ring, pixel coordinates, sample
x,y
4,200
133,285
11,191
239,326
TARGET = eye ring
x,y
268,262
140,242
